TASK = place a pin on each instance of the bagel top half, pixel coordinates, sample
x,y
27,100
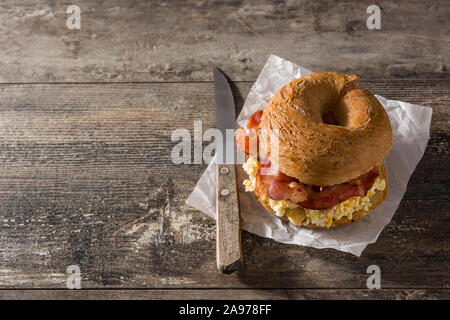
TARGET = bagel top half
x,y
317,153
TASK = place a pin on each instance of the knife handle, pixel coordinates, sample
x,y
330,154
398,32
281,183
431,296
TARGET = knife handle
x,y
228,240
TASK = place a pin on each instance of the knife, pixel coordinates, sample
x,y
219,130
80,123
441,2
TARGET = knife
x,y
228,230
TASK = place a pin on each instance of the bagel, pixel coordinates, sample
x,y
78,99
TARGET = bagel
x,y
332,136
317,153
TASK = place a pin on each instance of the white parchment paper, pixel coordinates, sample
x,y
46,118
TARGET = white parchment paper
x,y
411,129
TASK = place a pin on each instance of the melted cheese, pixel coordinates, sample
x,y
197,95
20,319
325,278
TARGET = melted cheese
x,y
300,216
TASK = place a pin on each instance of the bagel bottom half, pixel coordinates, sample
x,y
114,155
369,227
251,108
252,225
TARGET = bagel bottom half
x,y
297,216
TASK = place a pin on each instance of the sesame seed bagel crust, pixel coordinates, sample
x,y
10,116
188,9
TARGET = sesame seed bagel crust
x,y
318,153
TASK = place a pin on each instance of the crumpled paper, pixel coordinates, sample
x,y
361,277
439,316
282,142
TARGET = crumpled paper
x,y
411,129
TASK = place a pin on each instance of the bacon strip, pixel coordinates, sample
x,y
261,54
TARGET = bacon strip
x,y
278,186
332,195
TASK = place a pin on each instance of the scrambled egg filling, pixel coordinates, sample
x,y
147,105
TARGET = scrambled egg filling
x,y
301,216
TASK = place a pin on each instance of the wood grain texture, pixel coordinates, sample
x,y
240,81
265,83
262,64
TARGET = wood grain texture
x,y
140,40
228,225
86,179
223,294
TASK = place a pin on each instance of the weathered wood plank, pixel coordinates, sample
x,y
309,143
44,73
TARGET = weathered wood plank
x,y
86,179
140,40
234,294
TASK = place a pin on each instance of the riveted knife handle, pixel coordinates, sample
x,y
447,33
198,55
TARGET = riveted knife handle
x,y
228,241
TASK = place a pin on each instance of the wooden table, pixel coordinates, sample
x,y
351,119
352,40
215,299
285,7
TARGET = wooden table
x,y
86,118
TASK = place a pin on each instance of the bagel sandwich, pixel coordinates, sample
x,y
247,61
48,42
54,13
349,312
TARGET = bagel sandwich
x,y
331,138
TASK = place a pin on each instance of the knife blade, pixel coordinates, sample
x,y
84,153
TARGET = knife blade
x,y
228,230
225,117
